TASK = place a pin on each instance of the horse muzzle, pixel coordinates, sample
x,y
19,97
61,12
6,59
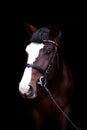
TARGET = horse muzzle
x,y
27,91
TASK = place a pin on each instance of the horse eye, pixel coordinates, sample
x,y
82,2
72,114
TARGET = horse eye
x,y
48,52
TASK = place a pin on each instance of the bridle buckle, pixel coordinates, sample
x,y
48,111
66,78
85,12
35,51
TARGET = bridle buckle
x,y
42,81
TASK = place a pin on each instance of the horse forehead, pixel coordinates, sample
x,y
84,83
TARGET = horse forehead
x,y
34,47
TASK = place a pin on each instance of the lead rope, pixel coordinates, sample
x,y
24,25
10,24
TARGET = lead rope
x,y
42,82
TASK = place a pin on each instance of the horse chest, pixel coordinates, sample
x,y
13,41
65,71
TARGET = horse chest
x,y
46,106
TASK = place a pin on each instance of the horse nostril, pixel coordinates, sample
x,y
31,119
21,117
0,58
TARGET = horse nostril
x,y
23,88
30,88
30,91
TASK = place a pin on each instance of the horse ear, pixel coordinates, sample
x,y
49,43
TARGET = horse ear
x,y
30,29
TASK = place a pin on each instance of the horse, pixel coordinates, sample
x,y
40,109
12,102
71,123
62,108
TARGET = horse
x,y
47,80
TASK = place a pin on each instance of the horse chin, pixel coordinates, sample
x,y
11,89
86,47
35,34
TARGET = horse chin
x,y
32,96
29,96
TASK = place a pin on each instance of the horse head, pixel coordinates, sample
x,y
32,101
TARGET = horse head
x,y
42,59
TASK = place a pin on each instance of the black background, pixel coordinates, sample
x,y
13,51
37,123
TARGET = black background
x,y
71,27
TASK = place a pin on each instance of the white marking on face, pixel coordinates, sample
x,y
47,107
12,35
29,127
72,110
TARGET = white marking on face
x,y
33,52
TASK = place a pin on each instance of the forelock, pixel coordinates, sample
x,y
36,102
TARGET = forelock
x,y
40,35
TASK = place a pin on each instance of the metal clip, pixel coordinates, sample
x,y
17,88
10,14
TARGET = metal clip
x,y
42,81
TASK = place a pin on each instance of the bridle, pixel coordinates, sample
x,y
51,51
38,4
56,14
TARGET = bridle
x,y
42,80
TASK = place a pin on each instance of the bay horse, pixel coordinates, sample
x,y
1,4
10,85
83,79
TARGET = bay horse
x,y
47,80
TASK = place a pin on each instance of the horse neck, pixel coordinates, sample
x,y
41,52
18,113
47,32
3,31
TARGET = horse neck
x,y
55,81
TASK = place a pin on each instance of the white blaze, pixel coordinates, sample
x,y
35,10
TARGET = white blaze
x,y
33,52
